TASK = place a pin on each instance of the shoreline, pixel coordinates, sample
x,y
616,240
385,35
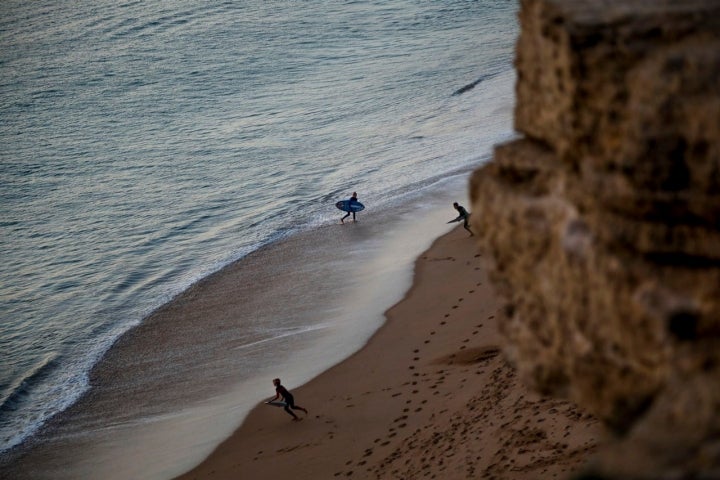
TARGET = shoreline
x,y
170,390
430,394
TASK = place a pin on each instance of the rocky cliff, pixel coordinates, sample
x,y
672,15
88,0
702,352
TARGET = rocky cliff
x,y
603,220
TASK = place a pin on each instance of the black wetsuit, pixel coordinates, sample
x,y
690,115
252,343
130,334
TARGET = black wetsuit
x,y
464,215
287,398
350,202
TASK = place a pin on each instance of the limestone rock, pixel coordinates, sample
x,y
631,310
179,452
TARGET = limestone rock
x,y
604,222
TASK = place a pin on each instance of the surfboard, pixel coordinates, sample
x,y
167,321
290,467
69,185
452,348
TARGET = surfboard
x,y
346,206
276,404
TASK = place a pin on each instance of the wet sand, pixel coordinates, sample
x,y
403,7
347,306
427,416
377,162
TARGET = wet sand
x,y
429,396
173,388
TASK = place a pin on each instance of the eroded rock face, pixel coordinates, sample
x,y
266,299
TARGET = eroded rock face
x,y
604,222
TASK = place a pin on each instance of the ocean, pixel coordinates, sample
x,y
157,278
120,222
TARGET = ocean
x,y
150,149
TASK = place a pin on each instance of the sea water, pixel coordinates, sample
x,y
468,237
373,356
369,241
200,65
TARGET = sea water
x,y
147,145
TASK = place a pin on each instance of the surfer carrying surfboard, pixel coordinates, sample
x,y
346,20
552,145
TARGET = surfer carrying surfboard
x,y
464,215
287,397
352,207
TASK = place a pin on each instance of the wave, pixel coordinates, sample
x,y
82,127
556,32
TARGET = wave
x,y
472,85
23,387
19,395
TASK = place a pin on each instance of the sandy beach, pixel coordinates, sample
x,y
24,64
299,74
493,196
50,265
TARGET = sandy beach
x,y
429,396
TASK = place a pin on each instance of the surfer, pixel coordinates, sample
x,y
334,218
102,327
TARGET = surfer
x,y
464,215
287,397
351,201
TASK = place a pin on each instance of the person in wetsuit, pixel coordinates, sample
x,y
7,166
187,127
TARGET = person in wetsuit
x,y
352,200
287,397
464,215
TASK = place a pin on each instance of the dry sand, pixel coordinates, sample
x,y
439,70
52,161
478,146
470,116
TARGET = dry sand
x,y
430,396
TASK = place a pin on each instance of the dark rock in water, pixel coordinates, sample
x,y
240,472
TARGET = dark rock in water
x,y
467,87
604,224
472,85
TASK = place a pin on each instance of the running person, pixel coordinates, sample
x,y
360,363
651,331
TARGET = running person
x,y
464,215
287,397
